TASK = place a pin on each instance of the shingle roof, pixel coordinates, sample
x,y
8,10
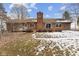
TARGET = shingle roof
x,y
21,21
35,20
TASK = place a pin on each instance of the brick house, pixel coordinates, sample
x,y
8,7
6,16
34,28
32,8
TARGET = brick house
x,y
39,24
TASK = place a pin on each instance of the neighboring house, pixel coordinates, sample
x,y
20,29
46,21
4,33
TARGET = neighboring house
x,y
3,25
3,19
78,23
39,24
75,23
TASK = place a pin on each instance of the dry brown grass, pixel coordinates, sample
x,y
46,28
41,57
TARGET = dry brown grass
x,y
11,37
18,43
22,43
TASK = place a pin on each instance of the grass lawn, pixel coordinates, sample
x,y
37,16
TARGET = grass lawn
x,y
18,44
22,43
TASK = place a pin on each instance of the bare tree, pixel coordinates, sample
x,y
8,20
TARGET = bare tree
x,y
73,8
19,12
66,15
2,15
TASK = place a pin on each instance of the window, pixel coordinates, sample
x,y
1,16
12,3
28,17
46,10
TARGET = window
x,y
32,25
58,24
48,25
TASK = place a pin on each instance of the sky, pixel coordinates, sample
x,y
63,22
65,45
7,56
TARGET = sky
x,y
50,10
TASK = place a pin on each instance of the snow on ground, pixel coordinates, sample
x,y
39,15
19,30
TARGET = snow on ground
x,y
58,35
65,39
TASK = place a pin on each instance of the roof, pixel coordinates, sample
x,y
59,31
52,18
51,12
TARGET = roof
x,y
49,20
56,20
35,20
21,21
64,21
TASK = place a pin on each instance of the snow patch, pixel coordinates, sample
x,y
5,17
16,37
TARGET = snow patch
x,y
65,40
